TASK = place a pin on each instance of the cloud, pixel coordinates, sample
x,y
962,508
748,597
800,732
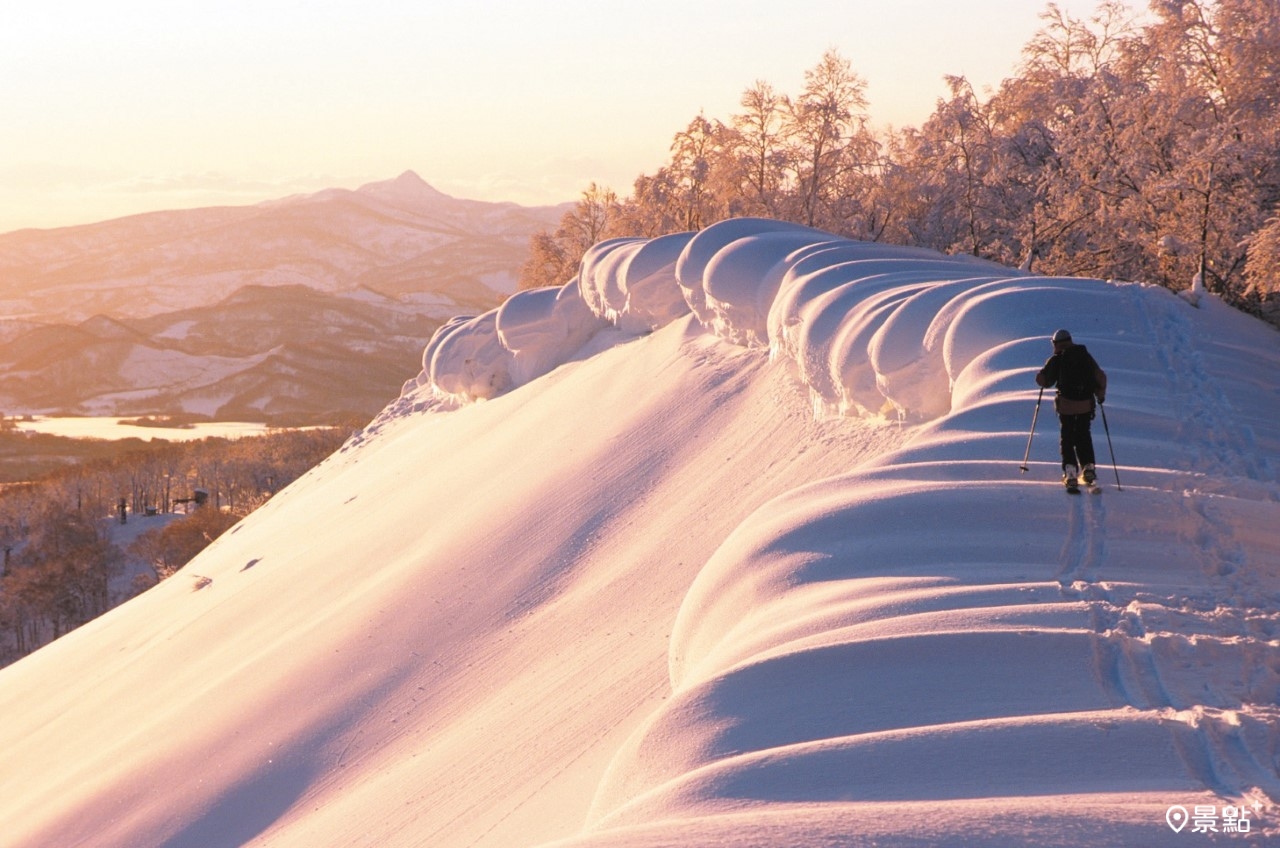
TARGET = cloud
x,y
221,184
557,180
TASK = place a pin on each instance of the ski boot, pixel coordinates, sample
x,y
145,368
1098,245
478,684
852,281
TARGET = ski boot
x,y
1069,479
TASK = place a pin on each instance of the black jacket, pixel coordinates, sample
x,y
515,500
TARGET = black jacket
x,y
1079,380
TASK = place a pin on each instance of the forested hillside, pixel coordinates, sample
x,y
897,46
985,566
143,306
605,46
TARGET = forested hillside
x,y
67,560
1135,145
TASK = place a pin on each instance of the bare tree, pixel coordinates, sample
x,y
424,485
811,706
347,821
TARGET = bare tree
x,y
820,121
1136,151
555,256
692,153
1263,269
761,147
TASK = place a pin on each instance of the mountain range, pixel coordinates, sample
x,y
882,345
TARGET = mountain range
x,y
309,306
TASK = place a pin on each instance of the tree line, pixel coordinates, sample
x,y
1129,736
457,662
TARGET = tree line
x,y
62,564
1120,150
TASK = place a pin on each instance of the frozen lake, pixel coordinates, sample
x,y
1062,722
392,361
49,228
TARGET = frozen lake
x,y
112,429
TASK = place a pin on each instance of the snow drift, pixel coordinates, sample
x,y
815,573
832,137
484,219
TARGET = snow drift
x,y
643,595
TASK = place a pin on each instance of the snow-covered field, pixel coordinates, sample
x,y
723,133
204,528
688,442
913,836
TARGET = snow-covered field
x,y
724,543
112,429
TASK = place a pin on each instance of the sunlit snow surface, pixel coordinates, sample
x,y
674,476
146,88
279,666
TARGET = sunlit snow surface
x,y
929,628
734,551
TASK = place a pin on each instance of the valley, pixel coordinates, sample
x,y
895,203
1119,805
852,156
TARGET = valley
x,y
305,310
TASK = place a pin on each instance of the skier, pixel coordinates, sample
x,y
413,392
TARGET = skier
x,y
1079,380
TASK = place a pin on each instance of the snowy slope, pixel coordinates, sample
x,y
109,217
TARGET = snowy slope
x,y
286,351
616,574
250,311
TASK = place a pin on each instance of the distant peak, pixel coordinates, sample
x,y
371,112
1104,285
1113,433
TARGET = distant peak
x,y
410,178
406,186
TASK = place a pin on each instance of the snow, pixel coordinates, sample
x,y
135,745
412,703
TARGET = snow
x,y
178,331
113,428
133,569
178,370
631,282
599,580
543,328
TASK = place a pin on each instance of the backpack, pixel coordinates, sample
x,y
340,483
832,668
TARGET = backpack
x,y
1076,377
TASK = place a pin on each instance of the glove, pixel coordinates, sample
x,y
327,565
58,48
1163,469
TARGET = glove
x,y
1102,396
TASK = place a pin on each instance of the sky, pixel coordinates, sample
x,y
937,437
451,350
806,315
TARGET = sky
x,y
113,108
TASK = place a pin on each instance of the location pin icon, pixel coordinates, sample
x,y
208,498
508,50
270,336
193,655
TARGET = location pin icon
x,y
1176,817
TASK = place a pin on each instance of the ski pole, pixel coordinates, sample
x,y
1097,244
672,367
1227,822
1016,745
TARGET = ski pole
x,y
1032,435
1110,446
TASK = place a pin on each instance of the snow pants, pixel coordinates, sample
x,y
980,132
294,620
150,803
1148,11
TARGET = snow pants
x,y
1076,441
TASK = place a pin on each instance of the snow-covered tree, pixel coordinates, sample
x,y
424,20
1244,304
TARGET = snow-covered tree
x,y
761,149
693,157
821,122
554,257
1120,149
1263,268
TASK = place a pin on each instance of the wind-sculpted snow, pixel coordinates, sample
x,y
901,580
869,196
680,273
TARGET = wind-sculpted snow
x,y
542,328
868,325
631,282
624,283
934,631
652,599
729,275
934,646
466,358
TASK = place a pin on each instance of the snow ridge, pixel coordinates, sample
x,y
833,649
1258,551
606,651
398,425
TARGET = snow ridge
x,y
869,326
853,630
842,575
788,655
602,577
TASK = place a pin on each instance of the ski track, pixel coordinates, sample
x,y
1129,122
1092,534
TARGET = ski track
x,y
890,627
1181,640
1229,746
1217,445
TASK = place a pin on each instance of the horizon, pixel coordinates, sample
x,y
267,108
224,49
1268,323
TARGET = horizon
x,y
147,108
270,202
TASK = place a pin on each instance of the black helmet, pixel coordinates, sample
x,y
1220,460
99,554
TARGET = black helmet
x,y
1061,336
